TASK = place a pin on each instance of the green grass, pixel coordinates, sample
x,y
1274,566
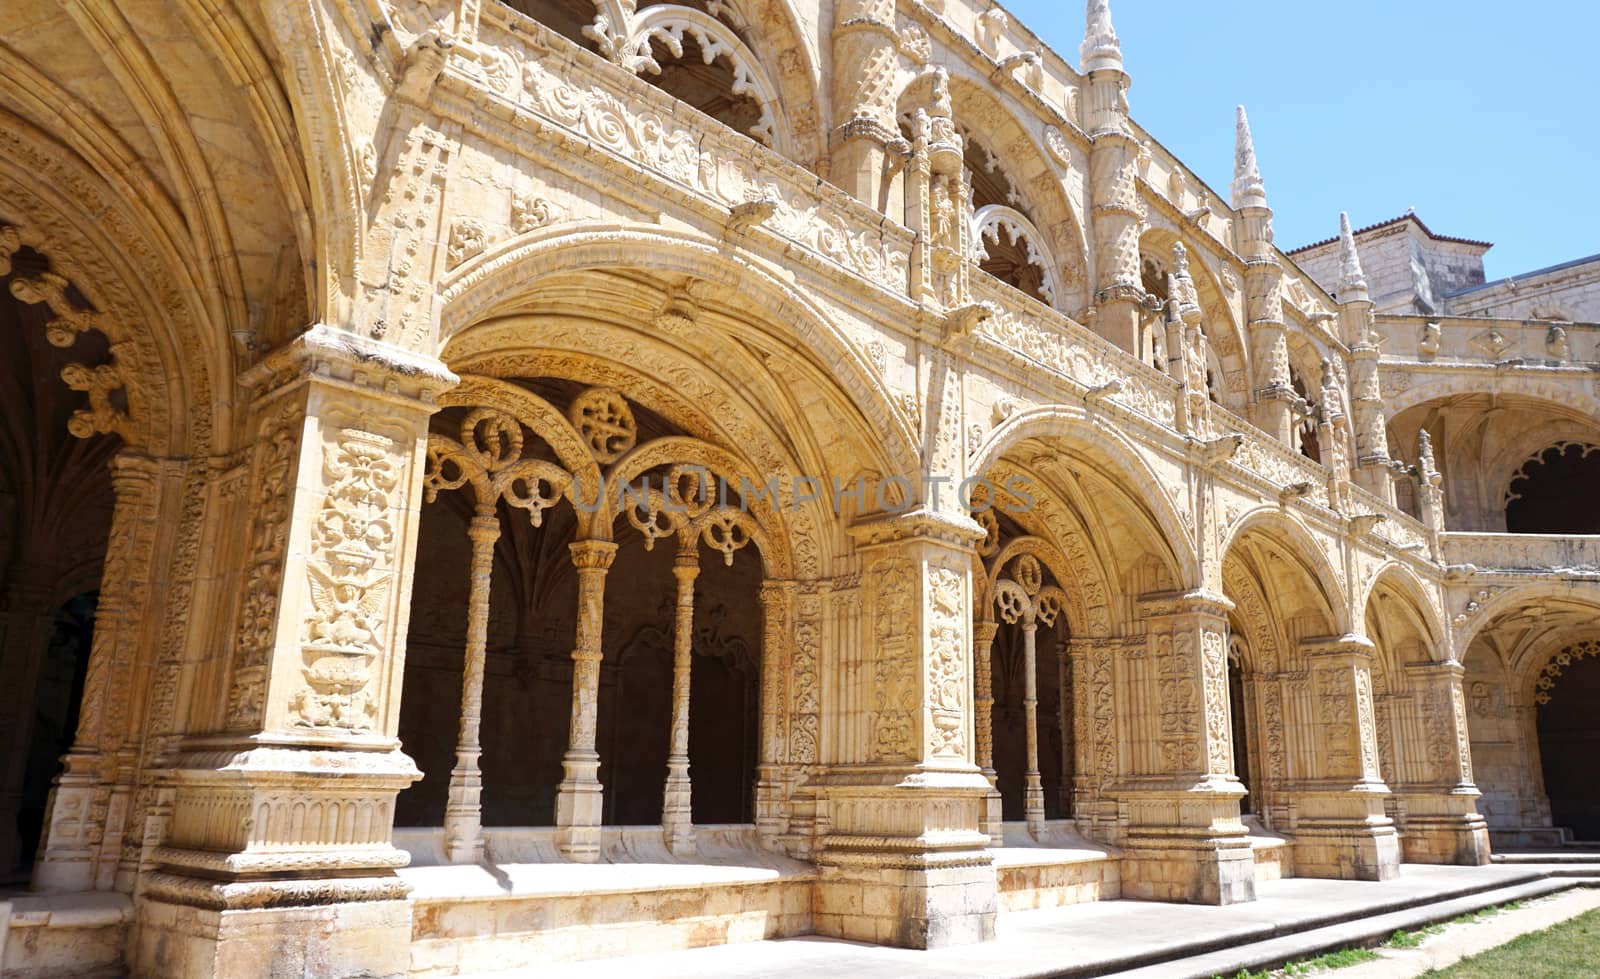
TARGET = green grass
x,y
1405,939
1559,952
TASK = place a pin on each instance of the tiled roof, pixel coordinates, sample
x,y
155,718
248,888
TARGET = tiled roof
x,y
1408,216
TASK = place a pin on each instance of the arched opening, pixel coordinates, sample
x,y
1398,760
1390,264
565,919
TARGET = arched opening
x,y
1555,491
55,518
612,637
1015,258
710,83
1031,757
566,17
1569,739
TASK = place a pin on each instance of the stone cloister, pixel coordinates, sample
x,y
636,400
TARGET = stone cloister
x,y
474,472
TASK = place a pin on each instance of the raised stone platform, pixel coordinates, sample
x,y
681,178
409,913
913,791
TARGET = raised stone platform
x,y
526,907
1057,868
49,935
1101,938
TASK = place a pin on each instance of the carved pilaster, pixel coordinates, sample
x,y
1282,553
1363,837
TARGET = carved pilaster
x,y
983,633
1341,826
82,839
1442,820
1181,796
290,801
786,670
907,806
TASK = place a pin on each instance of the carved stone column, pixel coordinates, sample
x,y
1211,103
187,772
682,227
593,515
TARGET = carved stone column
x,y
281,816
580,799
463,814
906,861
777,640
80,848
983,712
865,71
1341,827
677,816
1184,839
1442,820
1027,602
1117,214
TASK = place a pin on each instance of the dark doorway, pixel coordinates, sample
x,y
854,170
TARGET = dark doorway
x,y
55,715
1569,747
1241,739
1555,492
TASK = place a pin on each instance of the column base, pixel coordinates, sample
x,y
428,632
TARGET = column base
x,y
1344,835
1443,828
578,814
994,817
1187,845
905,864
371,939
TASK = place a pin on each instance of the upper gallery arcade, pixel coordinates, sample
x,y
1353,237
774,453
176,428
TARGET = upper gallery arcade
x,y
457,447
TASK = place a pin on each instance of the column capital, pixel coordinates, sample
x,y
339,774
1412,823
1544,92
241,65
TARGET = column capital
x,y
1334,648
592,554
1199,601
922,523
348,359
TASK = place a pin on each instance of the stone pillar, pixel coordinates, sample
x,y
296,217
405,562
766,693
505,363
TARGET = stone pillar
x,y
777,653
1184,840
1442,820
677,814
866,74
580,799
463,814
905,861
1370,424
983,712
83,820
1341,827
278,858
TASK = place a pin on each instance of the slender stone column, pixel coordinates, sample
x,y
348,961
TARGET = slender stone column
x,y
983,710
580,797
463,815
1342,829
677,814
1033,794
1442,820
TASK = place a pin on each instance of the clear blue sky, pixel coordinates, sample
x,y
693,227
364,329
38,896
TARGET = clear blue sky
x,y
1373,107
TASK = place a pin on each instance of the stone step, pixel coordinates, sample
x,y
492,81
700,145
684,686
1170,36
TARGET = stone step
x,y
1565,855
1315,939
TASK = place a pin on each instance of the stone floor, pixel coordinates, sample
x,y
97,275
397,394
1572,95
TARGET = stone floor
x,y
1096,938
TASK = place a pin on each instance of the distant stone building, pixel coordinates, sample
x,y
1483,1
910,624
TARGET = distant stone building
x,y
1412,270
491,483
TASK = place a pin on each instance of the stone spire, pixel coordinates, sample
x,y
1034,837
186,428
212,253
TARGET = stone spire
x,y
1352,281
1248,190
1101,51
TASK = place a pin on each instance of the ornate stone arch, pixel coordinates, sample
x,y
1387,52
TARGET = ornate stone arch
x,y
1079,430
671,23
474,291
1586,443
1054,561
1016,148
1223,335
1404,581
994,220
1296,539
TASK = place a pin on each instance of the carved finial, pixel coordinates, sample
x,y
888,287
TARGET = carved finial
x,y
1248,190
1180,287
1427,466
1352,281
1101,51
